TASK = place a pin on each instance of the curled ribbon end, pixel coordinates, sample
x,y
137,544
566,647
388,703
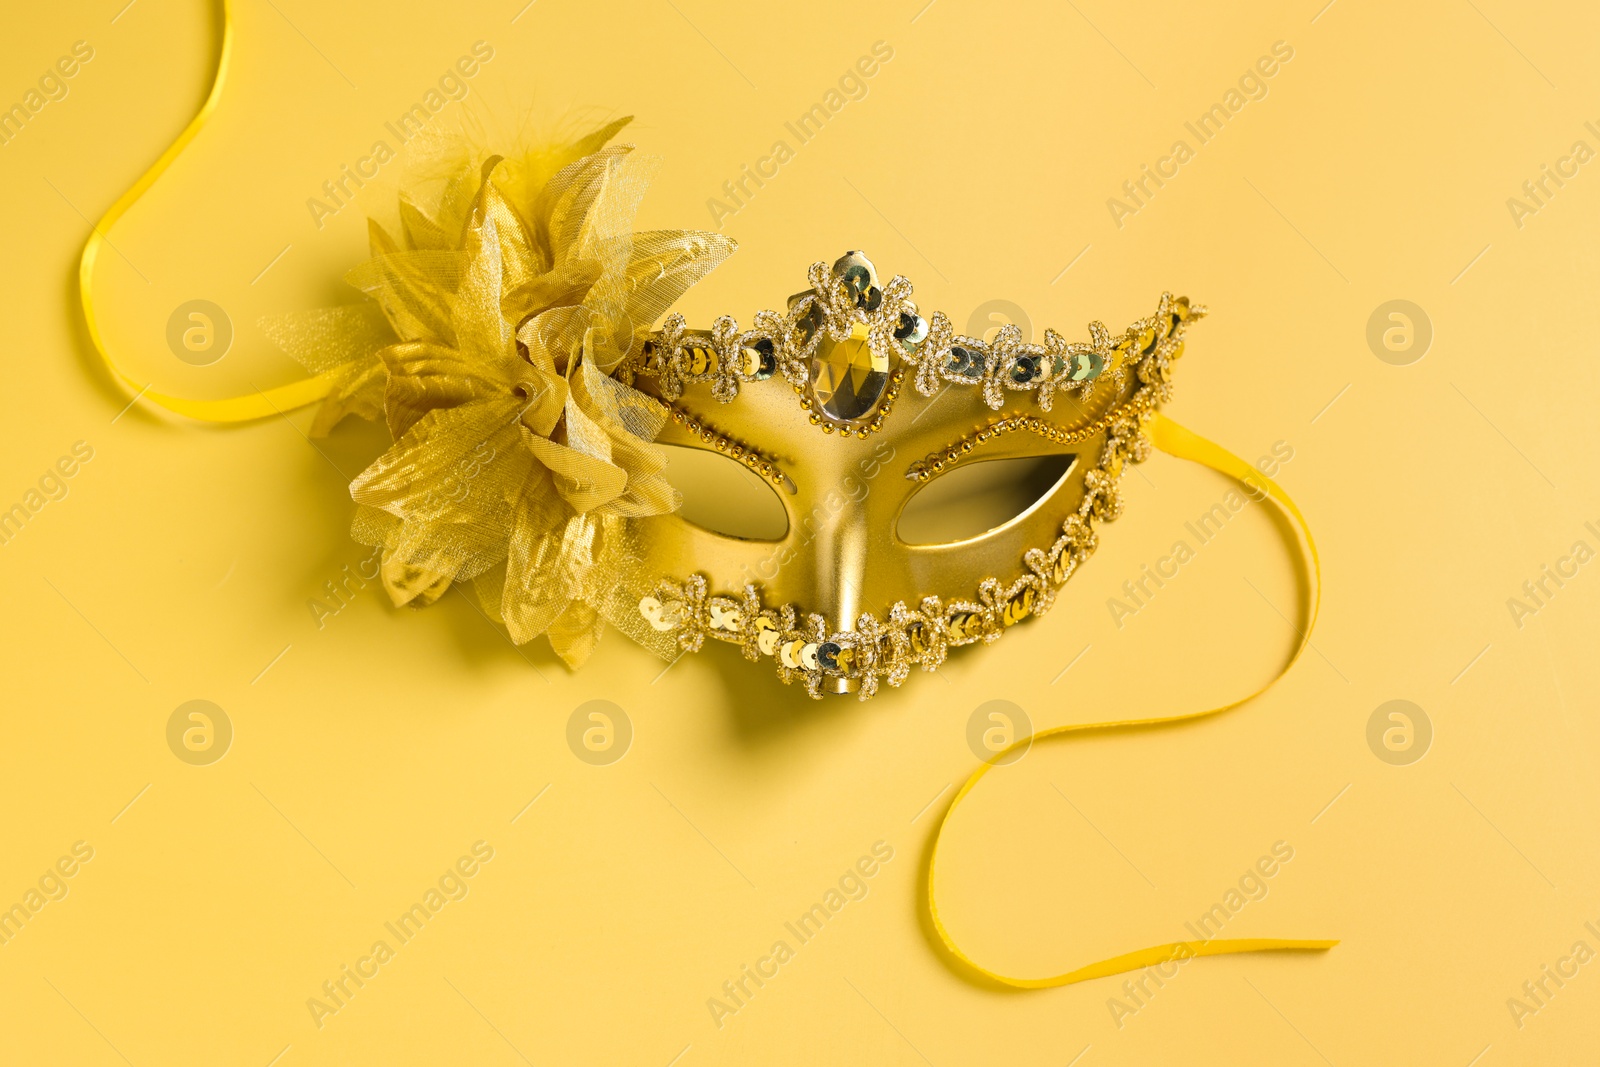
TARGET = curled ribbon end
x,y
1176,441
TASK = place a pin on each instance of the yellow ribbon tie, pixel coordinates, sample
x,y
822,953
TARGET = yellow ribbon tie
x,y
232,409
1166,434
1184,444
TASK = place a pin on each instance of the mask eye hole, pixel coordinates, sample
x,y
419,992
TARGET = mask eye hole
x,y
722,495
973,499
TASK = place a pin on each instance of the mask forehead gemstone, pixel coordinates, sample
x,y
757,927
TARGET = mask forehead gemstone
x,y
847,378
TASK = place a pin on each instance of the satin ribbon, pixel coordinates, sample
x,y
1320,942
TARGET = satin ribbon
x,y
1166,434
1184,444
230,409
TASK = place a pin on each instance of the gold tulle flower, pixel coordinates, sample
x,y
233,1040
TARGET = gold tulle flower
x,y
497,320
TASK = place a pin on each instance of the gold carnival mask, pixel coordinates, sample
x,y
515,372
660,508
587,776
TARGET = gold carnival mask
x,y
853,404
507,343
508,347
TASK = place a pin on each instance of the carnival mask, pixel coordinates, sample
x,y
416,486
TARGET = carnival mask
x,y
853,405
508,345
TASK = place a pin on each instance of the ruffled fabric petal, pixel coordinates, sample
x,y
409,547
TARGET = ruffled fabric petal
x,y
496,321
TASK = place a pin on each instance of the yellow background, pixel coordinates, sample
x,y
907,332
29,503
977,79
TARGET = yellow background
x,y
371,753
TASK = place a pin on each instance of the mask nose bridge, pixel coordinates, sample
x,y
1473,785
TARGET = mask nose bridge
x,y
832,537
838,519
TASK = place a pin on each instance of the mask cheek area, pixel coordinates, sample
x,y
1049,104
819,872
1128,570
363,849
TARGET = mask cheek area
x,y
977,498
723,496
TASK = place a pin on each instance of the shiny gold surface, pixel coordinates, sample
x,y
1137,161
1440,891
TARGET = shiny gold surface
x,y
842,556
849,599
